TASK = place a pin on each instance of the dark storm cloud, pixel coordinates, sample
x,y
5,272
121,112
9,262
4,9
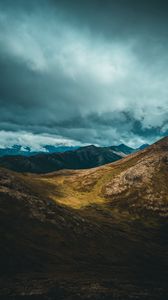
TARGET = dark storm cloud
x,y
87,71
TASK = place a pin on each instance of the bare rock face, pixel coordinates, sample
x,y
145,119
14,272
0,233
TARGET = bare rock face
x,y
141,179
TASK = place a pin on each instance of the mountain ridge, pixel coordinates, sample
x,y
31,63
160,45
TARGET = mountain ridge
x,y
28,151
81,158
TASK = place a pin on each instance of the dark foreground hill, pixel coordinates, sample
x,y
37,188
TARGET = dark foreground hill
x,y
82,158
87,234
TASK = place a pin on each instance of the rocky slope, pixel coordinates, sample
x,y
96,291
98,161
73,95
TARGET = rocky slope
x,y
87,234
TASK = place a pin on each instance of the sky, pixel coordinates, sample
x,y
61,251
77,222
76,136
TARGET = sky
x,y
83,72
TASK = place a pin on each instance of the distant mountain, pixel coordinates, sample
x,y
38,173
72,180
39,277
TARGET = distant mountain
x,y
27,151
87,234
122,148
143,147
15,150
56,149
80,158
46,149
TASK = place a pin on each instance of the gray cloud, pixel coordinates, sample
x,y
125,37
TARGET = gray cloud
x,y
95,72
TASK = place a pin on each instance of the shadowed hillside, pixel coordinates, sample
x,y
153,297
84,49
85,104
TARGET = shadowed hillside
x,y
82,158
87,234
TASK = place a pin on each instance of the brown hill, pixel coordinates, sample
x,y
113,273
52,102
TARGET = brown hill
x,y
87,234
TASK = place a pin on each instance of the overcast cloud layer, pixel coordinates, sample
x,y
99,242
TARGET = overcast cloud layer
x,y
84,71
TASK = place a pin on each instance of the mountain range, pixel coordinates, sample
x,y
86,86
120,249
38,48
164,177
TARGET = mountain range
x,y
64,158
28,151
97,233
